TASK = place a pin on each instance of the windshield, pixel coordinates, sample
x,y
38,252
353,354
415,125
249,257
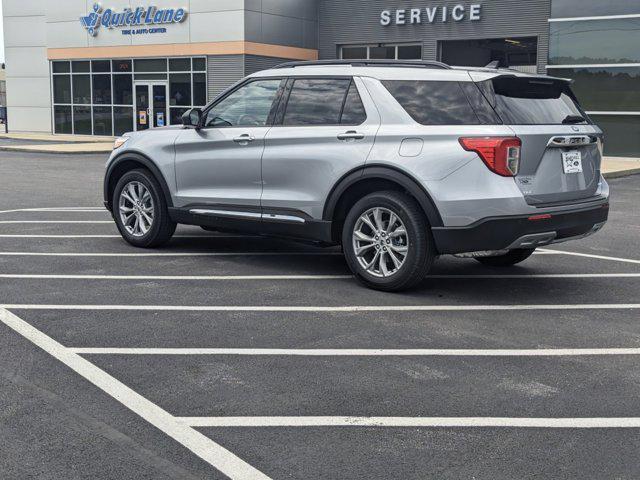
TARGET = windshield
x,y
533,101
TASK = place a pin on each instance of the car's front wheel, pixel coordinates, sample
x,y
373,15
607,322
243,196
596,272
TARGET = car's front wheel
x,y
387,241
140,210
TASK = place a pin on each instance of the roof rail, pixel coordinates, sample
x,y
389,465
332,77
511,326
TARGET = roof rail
x,y
367,63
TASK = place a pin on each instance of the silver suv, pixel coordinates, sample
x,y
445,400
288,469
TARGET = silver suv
x,y
397,161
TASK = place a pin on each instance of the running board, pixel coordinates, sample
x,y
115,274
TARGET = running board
x,y
248,215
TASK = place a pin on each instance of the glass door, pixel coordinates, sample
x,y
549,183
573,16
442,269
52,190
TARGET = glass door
x,y
151,105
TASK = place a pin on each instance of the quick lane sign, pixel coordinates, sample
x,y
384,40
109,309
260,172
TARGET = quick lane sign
x,y
417,16
129,17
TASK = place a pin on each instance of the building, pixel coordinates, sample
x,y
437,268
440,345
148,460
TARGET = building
x,y
105,68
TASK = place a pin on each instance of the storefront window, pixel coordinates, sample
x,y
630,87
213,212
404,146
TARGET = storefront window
x,y
180,89
102,89
122,120
80,67
594,41
82,120
82,89
122,89
621,134
96,97
604,88
150,65
179,64
62,88
102,121
100,66
62,119
381,52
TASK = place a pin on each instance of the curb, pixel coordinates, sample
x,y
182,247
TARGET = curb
x,y
621,173
5,148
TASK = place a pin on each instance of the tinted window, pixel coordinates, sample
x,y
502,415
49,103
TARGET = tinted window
x,y
248,106
122,90
82,120
594,41
525,101
433,103
621,133
353,113
81,89
61,89
604,88
180,89
575,8
102,89
316,101
483,110
62,119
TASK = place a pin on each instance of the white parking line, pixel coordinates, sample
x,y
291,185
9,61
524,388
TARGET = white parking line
x,y
57,209
205,448
208,237
333,352
589,255
424,422
20,222
337,309
198,278
169,254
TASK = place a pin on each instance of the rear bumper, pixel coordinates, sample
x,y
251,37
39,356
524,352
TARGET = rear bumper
x,y
527,231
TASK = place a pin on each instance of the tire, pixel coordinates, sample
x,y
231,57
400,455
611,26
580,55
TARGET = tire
x,y
415,261
160,230
508,259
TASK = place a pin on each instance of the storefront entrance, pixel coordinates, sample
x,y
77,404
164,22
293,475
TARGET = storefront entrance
x,y
151,105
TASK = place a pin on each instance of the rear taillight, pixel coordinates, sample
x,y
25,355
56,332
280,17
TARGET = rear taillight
x,y
500,154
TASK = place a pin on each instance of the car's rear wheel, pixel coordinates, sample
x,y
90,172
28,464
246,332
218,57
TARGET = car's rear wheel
x,y
140,210
508,259
387,241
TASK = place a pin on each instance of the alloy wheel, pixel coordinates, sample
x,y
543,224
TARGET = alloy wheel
x,y
136,208
380,242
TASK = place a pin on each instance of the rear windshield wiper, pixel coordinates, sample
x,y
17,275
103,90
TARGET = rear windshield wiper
x,y
573,119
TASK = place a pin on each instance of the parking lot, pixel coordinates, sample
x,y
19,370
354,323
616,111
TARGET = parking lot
x,y
253,358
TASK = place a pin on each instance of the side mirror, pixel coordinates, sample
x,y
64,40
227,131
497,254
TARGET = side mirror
x,y
192,118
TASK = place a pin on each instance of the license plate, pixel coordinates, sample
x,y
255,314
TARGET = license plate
x,y
572,161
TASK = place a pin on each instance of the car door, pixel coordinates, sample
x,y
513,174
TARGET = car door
x,y
220,163
324,128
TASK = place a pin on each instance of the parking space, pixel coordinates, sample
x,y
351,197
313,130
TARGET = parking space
x,y
254,358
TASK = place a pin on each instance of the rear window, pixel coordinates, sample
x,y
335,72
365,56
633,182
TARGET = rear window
x,y
527,101
433,103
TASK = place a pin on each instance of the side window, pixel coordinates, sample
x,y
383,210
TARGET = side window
x,y
316,101
249,106
433,103
353,112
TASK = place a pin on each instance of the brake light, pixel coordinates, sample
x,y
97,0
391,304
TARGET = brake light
x,y
500,154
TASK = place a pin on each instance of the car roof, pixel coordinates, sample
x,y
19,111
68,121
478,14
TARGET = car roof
x,y
390,70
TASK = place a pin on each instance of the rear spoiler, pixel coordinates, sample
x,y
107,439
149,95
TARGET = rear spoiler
x,y
483,74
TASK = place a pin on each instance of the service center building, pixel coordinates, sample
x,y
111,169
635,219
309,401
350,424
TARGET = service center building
x,y
103,68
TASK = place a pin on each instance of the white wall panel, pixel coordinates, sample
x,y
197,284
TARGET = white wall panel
x,y
29,119
29,92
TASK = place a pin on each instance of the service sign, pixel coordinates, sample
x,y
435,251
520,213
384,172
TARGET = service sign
x,y
437,14
132,21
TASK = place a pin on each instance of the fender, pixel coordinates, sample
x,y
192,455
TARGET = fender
x,y
144,161
384,172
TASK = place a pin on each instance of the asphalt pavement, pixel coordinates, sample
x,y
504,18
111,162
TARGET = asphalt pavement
x,y
225,356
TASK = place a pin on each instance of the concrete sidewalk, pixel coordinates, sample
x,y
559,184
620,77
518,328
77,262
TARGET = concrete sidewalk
x,y
47,143
612,167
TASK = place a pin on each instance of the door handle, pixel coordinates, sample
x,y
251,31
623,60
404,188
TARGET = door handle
x,y
351,135
244,139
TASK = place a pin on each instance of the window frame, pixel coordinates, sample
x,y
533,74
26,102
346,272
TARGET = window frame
x,y
282,110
